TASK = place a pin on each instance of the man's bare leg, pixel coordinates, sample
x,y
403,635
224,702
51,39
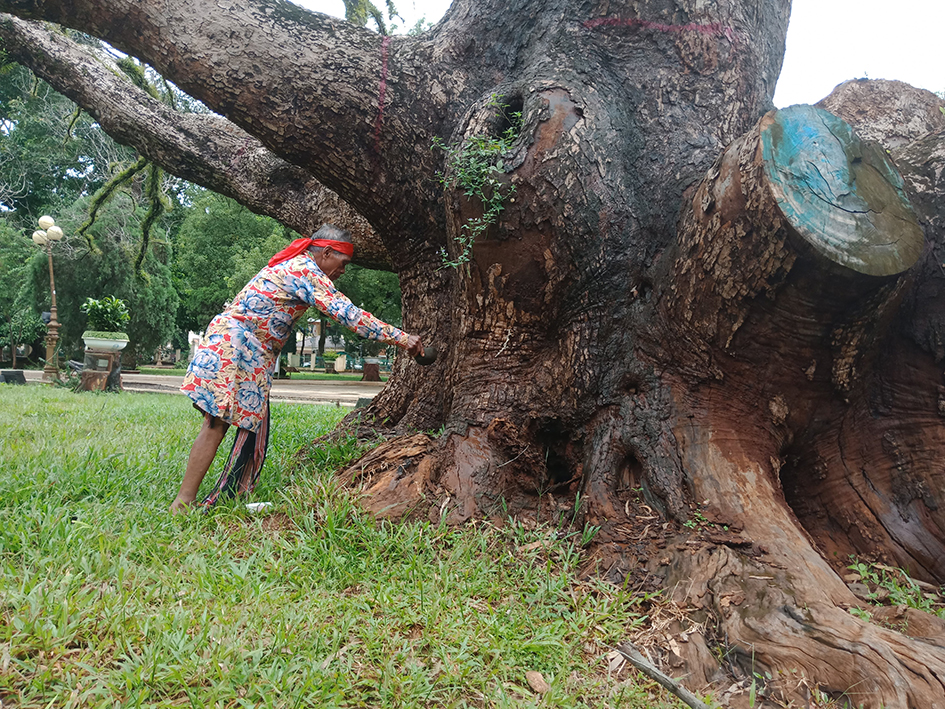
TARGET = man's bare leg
x,y
201,456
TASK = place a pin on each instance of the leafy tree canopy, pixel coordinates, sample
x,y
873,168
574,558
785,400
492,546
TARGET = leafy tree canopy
x,y
51,153
15,252
217,251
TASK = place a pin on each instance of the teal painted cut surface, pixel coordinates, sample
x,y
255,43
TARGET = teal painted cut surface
x,y
842,195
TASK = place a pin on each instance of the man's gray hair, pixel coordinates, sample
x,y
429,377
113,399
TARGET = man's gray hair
x,y
330,231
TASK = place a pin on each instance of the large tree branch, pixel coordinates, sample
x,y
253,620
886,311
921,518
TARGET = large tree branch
x,y
888,112
203,148
311,88
909,122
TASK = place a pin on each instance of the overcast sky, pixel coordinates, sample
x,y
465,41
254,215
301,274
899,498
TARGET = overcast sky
x,y
828,42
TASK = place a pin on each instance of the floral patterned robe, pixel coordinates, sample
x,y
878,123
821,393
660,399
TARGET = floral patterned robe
x,y
231,373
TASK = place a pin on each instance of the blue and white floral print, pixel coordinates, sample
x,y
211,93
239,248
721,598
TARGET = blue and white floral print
x,y
300,289
345,312
265,286
280,324
250,397
206,364
205,400
243,338
258,304
246,359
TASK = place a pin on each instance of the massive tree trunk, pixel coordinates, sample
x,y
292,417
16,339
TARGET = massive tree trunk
x,y
692,307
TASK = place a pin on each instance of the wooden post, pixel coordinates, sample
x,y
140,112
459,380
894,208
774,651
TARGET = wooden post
x,y
372,372
102,371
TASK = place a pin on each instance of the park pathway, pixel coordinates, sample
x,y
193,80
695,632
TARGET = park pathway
x,y
336,393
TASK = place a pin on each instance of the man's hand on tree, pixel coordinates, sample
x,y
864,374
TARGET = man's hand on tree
x,y
414,345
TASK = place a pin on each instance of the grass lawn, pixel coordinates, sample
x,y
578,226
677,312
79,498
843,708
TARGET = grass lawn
x,y
108,601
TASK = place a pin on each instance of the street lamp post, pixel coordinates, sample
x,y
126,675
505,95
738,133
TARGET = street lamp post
x,y
47,234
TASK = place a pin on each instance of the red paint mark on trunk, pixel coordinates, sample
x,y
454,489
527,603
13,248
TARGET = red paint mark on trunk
x,y
381,95
239,153
712,29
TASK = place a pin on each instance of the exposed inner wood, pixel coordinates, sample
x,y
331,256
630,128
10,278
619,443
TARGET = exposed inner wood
x,y
842,195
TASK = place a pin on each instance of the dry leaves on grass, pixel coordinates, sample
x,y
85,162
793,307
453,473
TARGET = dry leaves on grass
x,y
537,682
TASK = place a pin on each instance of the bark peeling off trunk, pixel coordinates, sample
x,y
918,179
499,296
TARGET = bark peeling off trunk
x,y
417,476
401,469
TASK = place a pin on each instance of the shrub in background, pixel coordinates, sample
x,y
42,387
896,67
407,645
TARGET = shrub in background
x,y
108,314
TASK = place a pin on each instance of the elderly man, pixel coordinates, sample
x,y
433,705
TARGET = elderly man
x,y
230,375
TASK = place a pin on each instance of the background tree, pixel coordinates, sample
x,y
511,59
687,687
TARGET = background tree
x,y
691,317
108,269
218,244
359,12
55,159
51,153
20,324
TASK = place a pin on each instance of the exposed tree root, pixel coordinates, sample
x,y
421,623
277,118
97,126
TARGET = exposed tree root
x,y
770,609
778,629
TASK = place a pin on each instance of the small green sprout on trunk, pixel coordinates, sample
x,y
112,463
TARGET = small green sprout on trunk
x,y
475,167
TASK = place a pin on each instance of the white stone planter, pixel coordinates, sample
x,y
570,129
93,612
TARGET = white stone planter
x,y
103,344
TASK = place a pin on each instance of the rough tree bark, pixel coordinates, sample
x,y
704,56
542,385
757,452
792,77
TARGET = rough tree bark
x,y
692,310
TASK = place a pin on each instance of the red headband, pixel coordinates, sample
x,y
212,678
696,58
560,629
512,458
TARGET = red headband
x,y
300,245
